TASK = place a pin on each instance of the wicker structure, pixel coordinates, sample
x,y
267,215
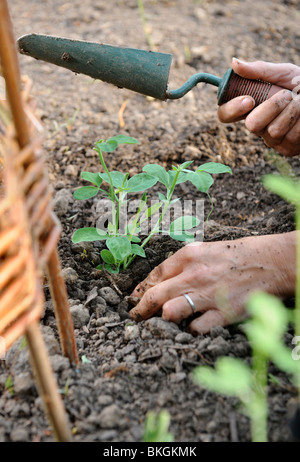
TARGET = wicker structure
x,y
29,232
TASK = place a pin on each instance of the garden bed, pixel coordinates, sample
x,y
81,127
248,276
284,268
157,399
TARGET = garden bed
x,y
126,368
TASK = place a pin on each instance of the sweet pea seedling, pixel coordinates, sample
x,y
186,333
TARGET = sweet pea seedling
x,y
234,377
122,248
156,428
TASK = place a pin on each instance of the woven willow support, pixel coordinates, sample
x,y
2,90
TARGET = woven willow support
x,y
21,294
29,168
29,232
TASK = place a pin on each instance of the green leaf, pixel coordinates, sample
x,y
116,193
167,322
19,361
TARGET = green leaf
x,y
135,239
86,192
285,187
111,269
231,377
157,171
151,210
89,235
123,139
161,197
107,257
202,180
266,328
84,359
185,164
133,228
173,201
214,167
183,223
182,177
119,246
182,236
92,178
156,428
140,182
111,228
117,178
107,146
138,250
9,384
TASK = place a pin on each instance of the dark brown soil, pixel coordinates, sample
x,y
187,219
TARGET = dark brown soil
x,y
125,371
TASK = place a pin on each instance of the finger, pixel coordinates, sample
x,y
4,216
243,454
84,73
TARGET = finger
x,y
293,137
168,269
179,308
265,113
290,145
157,296
281,74
284,123
203,324
236,109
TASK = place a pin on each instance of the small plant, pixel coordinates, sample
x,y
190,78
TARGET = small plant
x,y
265,331
289,189
156,428
123,247
235,378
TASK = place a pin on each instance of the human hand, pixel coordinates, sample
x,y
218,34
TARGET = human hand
x,y
218,277
277,120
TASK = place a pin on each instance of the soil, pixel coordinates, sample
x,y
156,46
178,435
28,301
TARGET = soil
x,y
126,368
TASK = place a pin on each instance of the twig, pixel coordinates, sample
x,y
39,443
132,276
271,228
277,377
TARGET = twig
x,y
109,276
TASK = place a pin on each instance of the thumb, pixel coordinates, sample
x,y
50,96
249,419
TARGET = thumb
x,y
282,75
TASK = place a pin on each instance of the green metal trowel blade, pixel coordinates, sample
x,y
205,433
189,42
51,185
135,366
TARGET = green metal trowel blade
x,y
142,71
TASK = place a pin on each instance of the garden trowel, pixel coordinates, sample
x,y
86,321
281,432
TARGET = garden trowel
x,y
142,71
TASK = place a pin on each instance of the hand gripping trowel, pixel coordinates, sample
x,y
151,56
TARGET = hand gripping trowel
x,y
142,71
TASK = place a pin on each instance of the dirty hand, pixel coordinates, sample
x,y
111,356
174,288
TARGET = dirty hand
x,y
277,120
218,277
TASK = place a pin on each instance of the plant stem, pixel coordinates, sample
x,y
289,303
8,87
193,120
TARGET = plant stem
x,y
114,199
297,301
111,186
143,18
141,206
259,407
297,293
212,206
166,206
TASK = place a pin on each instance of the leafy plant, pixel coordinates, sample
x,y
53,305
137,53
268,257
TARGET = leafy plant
x,y
233,377
156,428
265,331
289,189
122,248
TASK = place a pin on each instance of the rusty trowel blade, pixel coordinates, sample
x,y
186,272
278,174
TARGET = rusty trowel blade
x,y
142,71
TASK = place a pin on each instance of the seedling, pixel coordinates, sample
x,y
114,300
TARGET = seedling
x,y
265,331
124,246
289,189
233,377
156,428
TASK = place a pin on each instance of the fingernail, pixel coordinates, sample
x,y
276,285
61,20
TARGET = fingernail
x,y
247,103
287,95
239,61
